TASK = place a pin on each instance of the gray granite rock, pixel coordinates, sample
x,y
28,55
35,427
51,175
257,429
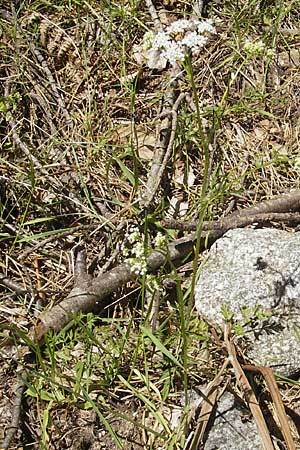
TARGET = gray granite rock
x,y
255,274
232,429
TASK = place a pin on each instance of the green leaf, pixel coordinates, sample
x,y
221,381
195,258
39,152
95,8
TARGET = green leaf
x,y
47,396
160,346
38,220
127,172
157,414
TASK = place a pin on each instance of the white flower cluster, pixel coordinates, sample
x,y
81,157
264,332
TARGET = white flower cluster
x,y
153,285
255,48
171,45
160,240
134,251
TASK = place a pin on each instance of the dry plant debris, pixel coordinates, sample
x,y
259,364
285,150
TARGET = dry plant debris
x,y
95,144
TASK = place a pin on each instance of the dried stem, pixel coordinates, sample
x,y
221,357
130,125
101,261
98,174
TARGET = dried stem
x,y
166,135
269,378
248,392
16,411
53,238
163,153
154,16
52,83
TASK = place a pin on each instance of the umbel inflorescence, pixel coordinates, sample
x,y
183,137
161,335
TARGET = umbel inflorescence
x,y
172,44
136,252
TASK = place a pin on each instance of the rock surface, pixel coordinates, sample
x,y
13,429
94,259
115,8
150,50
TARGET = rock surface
x,y
231,429
255,274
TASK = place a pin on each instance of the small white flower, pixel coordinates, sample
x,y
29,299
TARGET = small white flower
x,y
139,267
161,41
174,53
206,26
254,48
133,235
180,26
194,41
160,240
167,47
138,250
125,250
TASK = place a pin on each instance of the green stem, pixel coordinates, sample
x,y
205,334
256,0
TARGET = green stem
x,y
204,201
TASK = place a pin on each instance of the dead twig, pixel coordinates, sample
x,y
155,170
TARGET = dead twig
x,y
169,149
279,209
88,294
80,271
234,221
93,227
154,16
198,7
57,187
213,392
44,106
23,147
54,237
16,411
110,261
153,309
16,287
166,134
47,71
285,203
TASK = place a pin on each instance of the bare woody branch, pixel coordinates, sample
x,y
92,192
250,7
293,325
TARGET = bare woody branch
x,y
16,411
278,209
166,131
89,294
154,16
12,285
235,222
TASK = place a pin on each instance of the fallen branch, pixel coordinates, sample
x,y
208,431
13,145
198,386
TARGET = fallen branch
x,y
15,412
12,285
166,131
88,293
235,221
281,209
157,177
285,203
154,16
